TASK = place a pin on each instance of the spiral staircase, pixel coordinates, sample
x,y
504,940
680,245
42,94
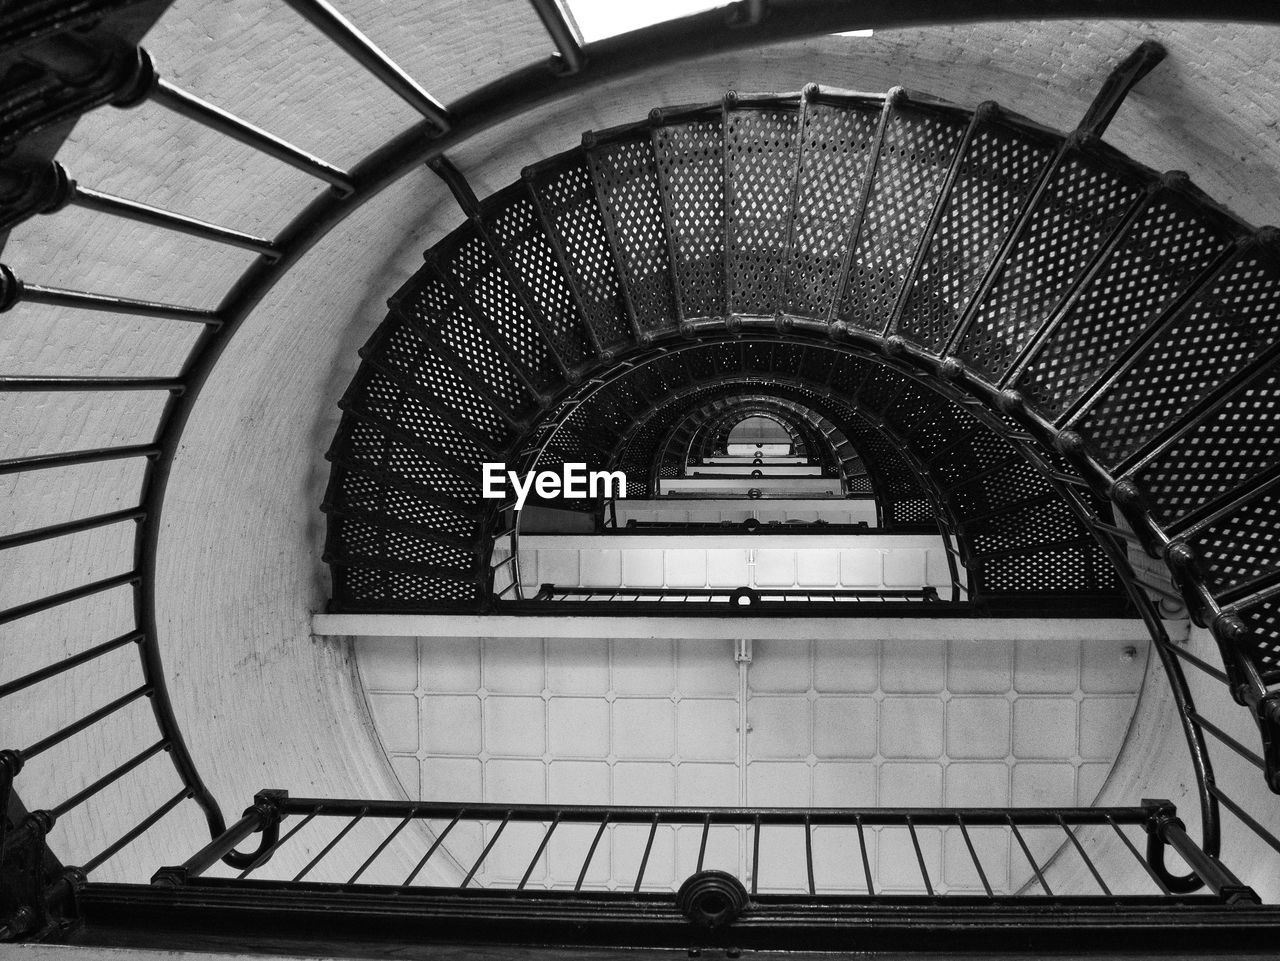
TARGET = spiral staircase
x,y
1061,362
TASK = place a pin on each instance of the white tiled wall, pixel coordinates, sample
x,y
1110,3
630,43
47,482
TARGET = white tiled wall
x,y
828,723
833,511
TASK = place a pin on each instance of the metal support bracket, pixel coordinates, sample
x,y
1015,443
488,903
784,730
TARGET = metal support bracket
x,y
1121,80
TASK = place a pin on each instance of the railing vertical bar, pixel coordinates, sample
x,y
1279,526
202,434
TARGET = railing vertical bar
x,y
591,853
546,838
382,847
67,663
1141,860
755,857
982,875
915,843
644,860
702,847
808,854
57,737
262,858
79,798
1244,816
432,850
1088,861
137,831
487,848
866,863
1027,851
1229,741
331,845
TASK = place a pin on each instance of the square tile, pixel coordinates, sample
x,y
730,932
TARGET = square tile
x,y
706,667
1090,779
1044,784
642,568
936,569
449,664
406,771
977,784
599,568
844,784
1106,667
513,665
705,784
559,567
906,785
515,726
451,724
644,727
861,567
577,666
979,667
845,727
978,727
456,779
1104,722
904,567
815,568
707,729
644,782
685,568
578,782
780,727
515,782
727,568
779,667
1044,727
846,666
990,846
643,666
913,667
388,663
778,784
395,716
775,568
578,727
911,727
1046,666
899,865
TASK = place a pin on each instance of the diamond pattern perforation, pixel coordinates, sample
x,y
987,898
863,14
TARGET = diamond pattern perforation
x,y
1237,317
913,163
1027,527
1083,204
568,198
363,493
1162,255
1239,441
690,159
517,231
836,145
1063,569
405,351
1010,485
1241,546
998,172
433,308
478,275
400,409
364,540
760,157
1263,640
628,177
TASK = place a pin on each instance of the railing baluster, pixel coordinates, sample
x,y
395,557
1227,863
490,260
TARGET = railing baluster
x,y
28,384
1244,816
644,860
88,720
591,852
137,831
485,853
70,527
1088,861
528,872
97,455
1204,666
215,118
360,48
1027,851
64,597
702,847
561,34
1228,740
67,663
808,855
915,843
1141,860
14,291
331,845
382,847
755,857
107,779
982,875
